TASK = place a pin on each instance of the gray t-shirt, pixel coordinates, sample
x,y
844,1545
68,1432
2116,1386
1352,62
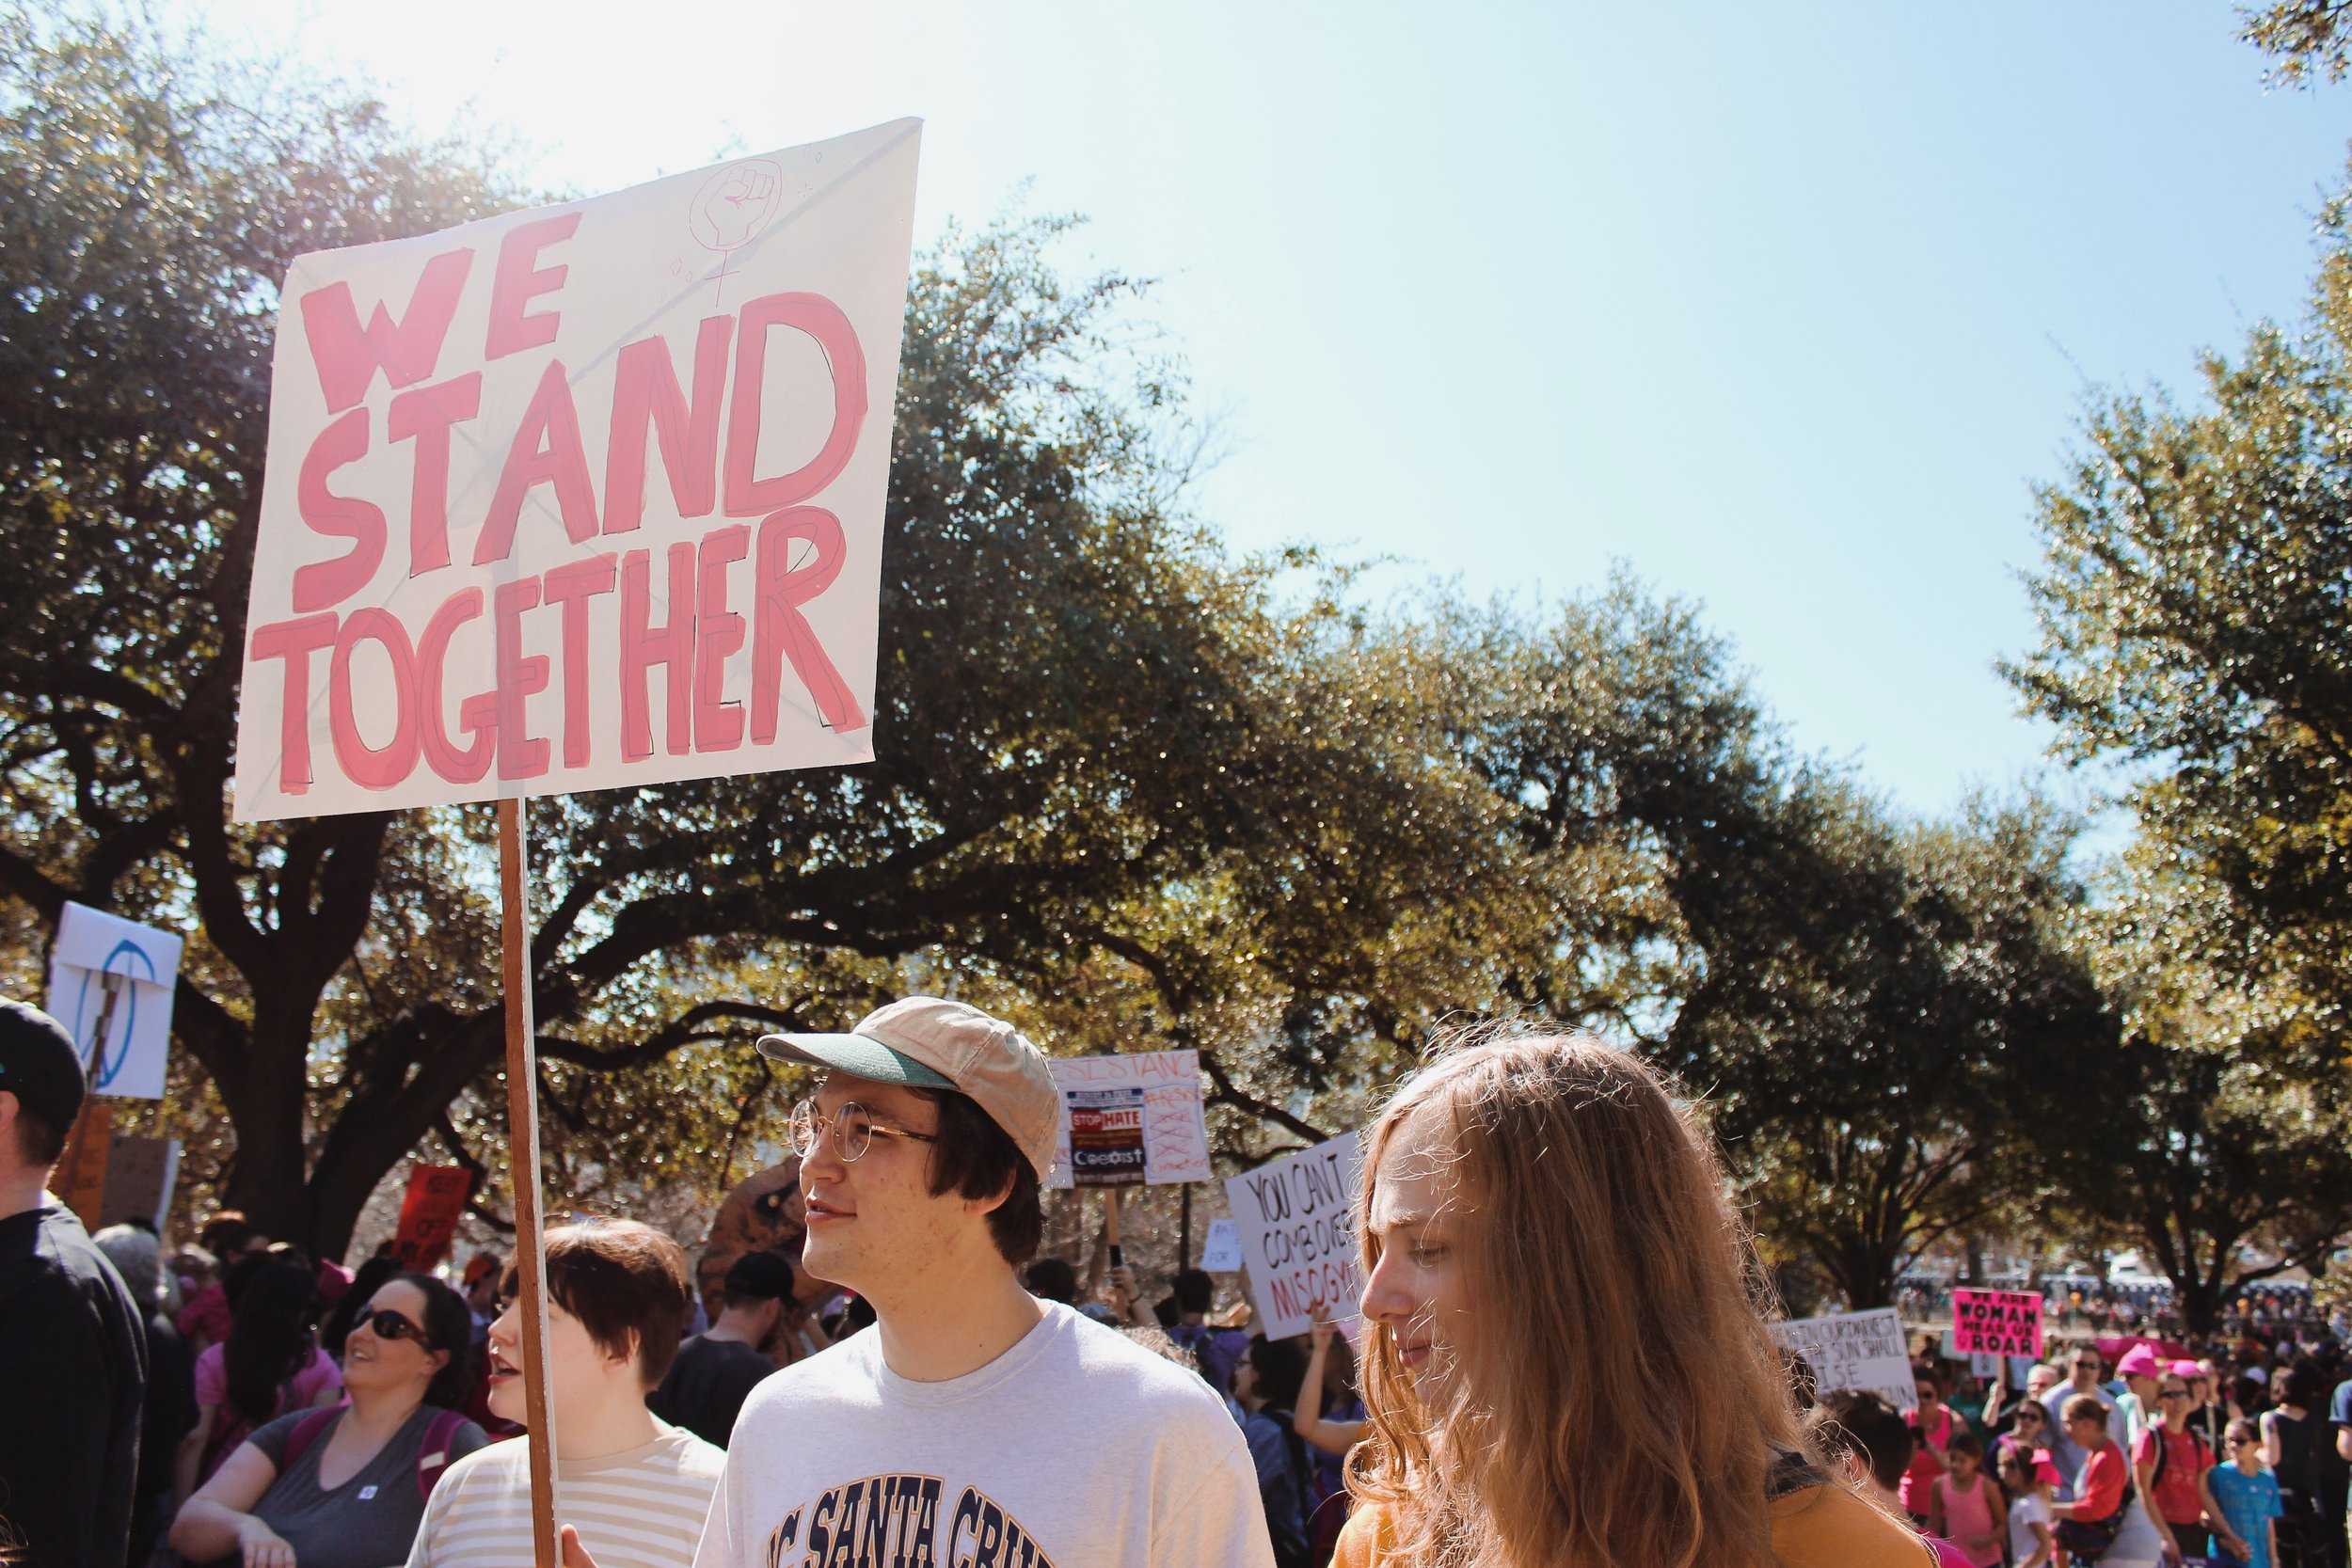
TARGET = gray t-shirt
x,y
370,1520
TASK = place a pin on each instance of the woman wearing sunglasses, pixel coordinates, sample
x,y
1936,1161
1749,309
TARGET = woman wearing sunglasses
x,y
345,1488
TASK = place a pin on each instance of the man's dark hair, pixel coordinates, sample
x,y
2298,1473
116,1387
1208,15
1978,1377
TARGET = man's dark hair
x,y
1053,1279
757,1279
1863,1423
1282,1367
1194,1290
37,1144
619,1277
448,1325
976,1158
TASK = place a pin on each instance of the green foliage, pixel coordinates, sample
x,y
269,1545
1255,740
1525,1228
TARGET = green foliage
x,y
1089,716
2308,38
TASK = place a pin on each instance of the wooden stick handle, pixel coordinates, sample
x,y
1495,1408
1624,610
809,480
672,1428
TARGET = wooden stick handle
x,y
522,1154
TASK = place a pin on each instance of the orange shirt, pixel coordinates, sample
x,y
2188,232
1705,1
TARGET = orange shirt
x,y
1818,1527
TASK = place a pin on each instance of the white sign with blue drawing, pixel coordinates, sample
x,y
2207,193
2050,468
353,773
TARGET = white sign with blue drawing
x,y
110,984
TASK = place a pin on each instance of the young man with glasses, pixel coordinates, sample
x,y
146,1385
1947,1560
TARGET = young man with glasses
x,y
2169,1462
974,1425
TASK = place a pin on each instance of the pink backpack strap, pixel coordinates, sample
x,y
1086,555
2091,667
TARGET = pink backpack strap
x,y
306,1431
433,1454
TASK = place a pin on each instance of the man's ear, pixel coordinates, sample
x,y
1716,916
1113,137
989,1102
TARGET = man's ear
x,y
994,1201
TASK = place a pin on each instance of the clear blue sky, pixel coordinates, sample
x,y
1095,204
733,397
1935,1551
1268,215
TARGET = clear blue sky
x,y
1787,307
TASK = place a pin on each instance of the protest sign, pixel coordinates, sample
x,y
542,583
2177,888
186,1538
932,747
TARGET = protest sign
x,y
1855,1349
583,496
1107,1136
80,1176
108,975
459,514
1175,1135
1296,1218
140,1175
1221,1252
1999,1323
428,1213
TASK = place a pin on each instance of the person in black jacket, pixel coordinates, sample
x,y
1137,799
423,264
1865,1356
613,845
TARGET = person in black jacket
x,y
72,1346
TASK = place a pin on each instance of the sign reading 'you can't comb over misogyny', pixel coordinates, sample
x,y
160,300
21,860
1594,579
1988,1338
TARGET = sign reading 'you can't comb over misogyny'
x,y
583,497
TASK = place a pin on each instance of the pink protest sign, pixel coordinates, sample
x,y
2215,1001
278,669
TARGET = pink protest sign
x,y
1997,1323
584,497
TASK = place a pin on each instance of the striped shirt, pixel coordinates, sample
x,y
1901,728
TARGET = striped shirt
x,y
642,1507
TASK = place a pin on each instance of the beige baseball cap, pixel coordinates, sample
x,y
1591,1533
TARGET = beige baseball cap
x,y
929,1043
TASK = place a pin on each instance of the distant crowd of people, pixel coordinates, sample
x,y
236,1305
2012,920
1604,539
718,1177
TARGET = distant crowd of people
x,y
1564,1359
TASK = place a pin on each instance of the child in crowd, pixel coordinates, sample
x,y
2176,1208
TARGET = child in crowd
x,y
2030,1544
2242,1498
1963,1505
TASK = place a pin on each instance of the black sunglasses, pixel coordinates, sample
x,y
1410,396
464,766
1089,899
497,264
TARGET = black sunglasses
x,y
385,1324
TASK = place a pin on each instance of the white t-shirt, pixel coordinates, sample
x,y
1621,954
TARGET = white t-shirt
x,y
2023,1513
1075,1449
642,1507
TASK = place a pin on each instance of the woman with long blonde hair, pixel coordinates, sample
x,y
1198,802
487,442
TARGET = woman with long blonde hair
x,y
1566,1363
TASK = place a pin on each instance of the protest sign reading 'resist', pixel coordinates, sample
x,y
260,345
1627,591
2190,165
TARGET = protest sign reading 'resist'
x,y
1112,1100
1999,1323
1297,1224
583,496
1855,1349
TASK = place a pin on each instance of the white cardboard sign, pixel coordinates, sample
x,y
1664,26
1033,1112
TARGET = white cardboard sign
x,y
583,496
97,954
1221,1252
1855,1350
1175,1135
1296,1221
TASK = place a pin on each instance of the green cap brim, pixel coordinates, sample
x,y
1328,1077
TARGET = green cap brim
x,y
859,1055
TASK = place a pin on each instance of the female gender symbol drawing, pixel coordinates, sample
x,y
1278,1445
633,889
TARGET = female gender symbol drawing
x,y
102,1070
733,206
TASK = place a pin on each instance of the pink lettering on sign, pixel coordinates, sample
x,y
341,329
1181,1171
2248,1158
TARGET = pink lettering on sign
x,y
822,319
476,715
371,767
293,642
780,631
347,355
323,584
518,281
647,401
718,723
546,451
425,417
645,646
572,585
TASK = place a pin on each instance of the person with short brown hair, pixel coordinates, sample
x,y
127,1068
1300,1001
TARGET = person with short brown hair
x,y
973,1422
635,1488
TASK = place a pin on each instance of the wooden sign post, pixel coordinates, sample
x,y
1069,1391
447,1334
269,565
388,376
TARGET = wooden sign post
x,y
522,1162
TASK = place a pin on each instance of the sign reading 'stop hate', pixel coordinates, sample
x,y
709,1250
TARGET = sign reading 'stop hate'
x,y
1161,1087
1997,1323
583,496
1107,1136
